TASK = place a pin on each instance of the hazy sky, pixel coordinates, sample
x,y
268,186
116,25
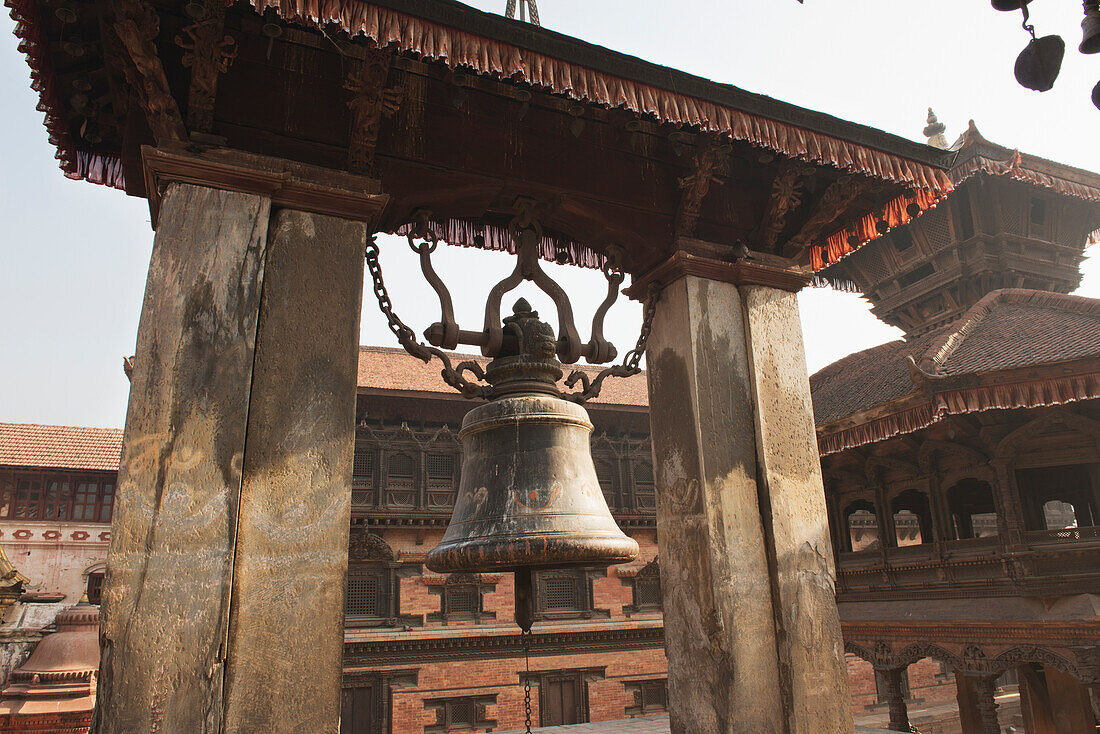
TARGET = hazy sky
x,y
74,255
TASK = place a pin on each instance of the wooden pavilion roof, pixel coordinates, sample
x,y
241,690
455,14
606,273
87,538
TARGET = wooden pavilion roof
x,y
461,112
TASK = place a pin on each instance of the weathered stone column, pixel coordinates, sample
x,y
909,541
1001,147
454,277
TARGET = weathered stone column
x,y
295,506
895,699
751,626
232,514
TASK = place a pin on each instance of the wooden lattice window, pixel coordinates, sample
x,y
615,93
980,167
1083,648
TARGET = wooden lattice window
x,y
565,594
650,696
368,592
401,472
647,591
465,713
441,470
461,599
606,472
363,465
645,497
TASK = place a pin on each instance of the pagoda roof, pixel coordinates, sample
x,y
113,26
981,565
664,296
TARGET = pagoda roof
x,y
1015,348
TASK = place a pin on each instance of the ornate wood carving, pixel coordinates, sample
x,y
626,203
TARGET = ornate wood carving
x,y
832,204
207,52
786,196
363,546
371,101
134,27
710,161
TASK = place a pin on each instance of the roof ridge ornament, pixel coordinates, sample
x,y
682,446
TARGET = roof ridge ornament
x,y
525,7
934,131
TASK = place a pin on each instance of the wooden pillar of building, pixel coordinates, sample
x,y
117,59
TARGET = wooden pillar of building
x,y
223,604
1070,703
751,626
977,705
895,698
1035,700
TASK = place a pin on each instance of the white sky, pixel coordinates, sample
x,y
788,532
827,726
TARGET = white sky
x,y
73,256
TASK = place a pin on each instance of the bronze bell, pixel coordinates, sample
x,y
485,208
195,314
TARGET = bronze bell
x,y
1038,64
529,496
1090,27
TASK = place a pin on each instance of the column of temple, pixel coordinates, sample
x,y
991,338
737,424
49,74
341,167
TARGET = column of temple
x,y
751,626
895,698
230,533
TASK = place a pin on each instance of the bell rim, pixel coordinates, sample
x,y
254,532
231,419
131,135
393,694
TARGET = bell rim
x,y
485,555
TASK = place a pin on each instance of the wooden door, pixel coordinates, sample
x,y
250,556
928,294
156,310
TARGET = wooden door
x,y
359,711
562,700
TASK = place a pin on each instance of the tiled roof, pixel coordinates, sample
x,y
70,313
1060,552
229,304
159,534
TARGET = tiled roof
x,y
1005,330
393,369
60,447
865,379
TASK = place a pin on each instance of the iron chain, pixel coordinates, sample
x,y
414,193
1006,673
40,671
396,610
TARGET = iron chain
x,y
404,334
525,639
633,358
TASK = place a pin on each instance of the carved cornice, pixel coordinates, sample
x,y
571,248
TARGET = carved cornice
x,y
289,184
741,272
436,649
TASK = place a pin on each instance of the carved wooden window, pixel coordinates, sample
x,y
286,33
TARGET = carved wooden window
x,y
565,594
912,518
903,239
465,713
645,497
442,476
368,592
461,598
401,487
94,590
1038,220
364,476
607,474
863,530
650,696
972,509
106,501
645,589
1071,485
60,497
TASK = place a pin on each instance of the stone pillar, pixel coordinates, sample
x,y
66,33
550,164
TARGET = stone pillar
x,y
977,706
1070,703
751,626
895,698
231,520
295,506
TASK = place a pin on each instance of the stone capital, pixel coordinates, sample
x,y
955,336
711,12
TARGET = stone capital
x,y
722,263
288,184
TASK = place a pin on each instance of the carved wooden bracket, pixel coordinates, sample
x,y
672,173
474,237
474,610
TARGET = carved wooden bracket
x,y
709,162
371,102
207,52
832,204
786,196
135,25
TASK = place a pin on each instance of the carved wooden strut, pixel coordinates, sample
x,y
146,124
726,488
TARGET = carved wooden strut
x,y
710,161
371,102
207,52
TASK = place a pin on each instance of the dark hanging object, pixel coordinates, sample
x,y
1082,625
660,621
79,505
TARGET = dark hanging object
x,y
1096,95
529,495
1009,4
912,209
1090,27
1038,64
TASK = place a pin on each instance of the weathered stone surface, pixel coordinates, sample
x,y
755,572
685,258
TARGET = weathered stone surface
x,y
168,571
287,623
792,499
719,629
